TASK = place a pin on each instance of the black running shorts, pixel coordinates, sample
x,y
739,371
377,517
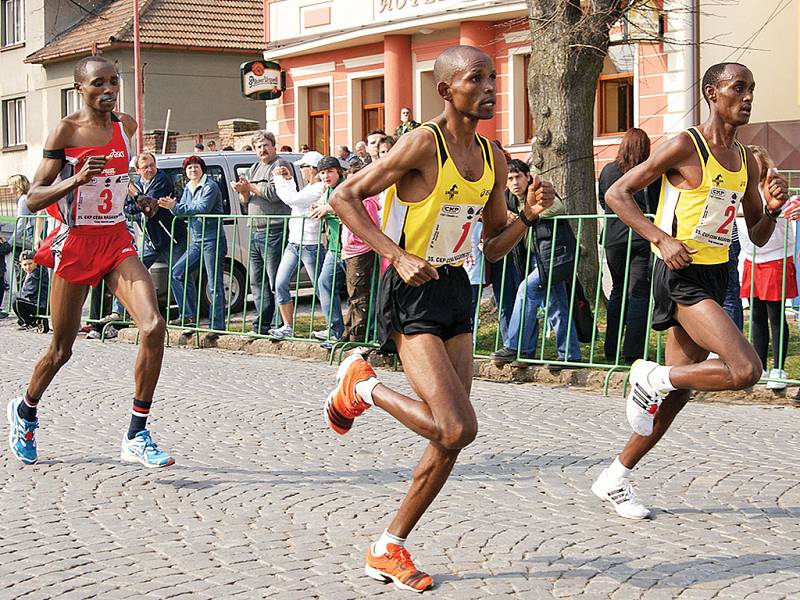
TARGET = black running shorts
x,y
685,286
442,307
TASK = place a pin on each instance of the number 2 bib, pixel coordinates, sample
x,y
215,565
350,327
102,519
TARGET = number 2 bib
x,y
450,239
100,202
716,223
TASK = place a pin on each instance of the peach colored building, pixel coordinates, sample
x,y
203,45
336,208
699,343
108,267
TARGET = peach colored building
x,y
353,64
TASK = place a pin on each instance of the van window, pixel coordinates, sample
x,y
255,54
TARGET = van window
x,y
215,172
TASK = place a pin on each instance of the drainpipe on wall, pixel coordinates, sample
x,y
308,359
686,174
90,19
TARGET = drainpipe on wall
x,y
137,78
697,92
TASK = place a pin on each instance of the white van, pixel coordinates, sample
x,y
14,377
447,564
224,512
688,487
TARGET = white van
x,y
224,168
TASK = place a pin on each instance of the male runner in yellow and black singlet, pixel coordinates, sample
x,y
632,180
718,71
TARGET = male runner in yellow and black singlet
x,y
440,178
705,173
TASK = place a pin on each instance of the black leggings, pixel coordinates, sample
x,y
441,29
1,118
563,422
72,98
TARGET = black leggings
x,y
763,310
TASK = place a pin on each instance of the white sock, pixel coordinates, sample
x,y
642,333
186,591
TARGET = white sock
x,y
379,547
659,379
364,389
618,471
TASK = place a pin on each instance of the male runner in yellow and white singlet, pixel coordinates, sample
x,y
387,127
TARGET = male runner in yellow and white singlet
x,y
705,173
440,178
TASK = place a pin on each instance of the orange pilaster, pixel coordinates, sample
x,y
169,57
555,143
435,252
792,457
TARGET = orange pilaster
x,y
481,34
397,76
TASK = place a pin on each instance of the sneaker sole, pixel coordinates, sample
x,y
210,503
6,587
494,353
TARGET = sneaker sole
x,y
600,494
328,407
10,419
131,458
379,575
340,373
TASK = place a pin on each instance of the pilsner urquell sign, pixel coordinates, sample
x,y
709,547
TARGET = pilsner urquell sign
x,y
262,80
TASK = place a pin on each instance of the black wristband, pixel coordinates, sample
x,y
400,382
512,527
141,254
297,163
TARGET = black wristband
x,y
525,220
772,214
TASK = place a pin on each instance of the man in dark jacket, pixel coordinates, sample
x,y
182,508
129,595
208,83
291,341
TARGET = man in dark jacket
x,y
32,297
163,234
531,293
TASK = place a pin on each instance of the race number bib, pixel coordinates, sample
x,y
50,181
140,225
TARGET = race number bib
x,y
450,239
716,223
100,202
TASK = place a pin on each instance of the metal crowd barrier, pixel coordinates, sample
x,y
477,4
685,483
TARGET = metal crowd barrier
x,y
234,258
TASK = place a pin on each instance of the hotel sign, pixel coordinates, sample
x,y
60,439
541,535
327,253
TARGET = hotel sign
x,y
262,80
390,9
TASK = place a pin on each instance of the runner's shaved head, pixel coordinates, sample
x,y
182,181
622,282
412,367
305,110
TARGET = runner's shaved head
x,y
455,60
83,64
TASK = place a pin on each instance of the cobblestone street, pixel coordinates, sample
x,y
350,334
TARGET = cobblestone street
x,y
265,501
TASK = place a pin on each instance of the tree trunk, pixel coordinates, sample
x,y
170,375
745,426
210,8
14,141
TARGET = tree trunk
x,y
567,50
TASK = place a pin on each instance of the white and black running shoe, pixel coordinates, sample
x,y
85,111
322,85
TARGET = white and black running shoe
x,y
621,495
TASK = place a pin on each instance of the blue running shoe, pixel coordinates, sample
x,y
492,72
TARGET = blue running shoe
x,y
20,434
143,449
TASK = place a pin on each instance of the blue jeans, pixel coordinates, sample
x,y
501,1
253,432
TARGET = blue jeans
x,y
332,275
733,303
558,313
183,282
266,249
312,256
150,255
509,286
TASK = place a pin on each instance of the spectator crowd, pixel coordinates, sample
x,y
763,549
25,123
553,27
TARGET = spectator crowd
x,y
291,226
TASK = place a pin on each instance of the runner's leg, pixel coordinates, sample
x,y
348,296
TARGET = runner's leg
x,y
680,350
131,283
66,301
441,375
738,366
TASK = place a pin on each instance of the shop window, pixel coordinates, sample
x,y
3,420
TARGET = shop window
x,y
372,105
319,115
12,22
13,122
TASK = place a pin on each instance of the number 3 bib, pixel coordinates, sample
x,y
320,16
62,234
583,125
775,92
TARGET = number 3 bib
x,y
100,202
716,223
450,238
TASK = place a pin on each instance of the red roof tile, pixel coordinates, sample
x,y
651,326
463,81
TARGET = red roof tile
x,y
196,24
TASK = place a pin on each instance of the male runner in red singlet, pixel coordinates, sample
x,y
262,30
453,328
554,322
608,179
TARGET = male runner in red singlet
x,y
83,183
439,179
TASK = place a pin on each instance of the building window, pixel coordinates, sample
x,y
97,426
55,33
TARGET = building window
x,y
615,91
12,17
319,115
71,101
615,104
13,122
372,105
530,126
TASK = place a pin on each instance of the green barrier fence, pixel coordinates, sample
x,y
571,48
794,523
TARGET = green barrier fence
x,y
550,330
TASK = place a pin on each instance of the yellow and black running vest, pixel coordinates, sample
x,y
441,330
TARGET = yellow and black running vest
x,y
702,218
438,228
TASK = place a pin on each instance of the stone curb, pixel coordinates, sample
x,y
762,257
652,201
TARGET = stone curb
x,y
592,379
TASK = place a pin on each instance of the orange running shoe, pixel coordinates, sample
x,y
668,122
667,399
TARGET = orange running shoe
x,y
343,404
396,565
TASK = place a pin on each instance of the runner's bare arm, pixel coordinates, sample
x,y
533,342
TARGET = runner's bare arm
x,y
412,152
43,191
499,235
759,225
619,197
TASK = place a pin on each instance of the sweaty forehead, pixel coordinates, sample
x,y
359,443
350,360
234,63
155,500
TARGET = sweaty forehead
x,y
95,69
735,73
